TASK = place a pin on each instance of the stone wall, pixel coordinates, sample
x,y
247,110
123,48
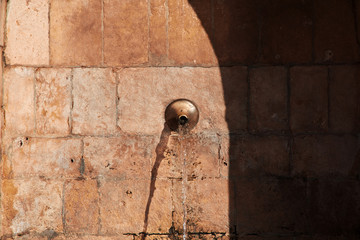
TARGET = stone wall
x,y
85,150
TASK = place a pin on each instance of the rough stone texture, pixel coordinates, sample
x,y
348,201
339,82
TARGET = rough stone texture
x,y
126,32
326,155
49,158
335,36
309,99
268,99
235,42
152,89
189,43
75,33
81,206
123,206
270,205
94,110
158,42
27,33
206,204
125,157
344,115
334,207
86,153
31,205
256,156
3,4
287,24
199,151
19,111
53,101
235,90
91,237
357,11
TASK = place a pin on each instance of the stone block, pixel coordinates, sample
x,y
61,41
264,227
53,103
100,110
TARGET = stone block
x,y
124,157
268,99
309,99
19,100
43,157
158,41
335,36
326,156
126,32
270,205
189,42
27,33
75,33
94,110
53,101
344,115
287,31
191,156
334,207
81,206
31,205
258,155
129,206
236,31
2,21
206,203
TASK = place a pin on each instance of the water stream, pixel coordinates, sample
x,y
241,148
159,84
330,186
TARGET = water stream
x,y
182,157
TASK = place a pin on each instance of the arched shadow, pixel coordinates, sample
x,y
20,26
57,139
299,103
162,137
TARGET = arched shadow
x,y
229,25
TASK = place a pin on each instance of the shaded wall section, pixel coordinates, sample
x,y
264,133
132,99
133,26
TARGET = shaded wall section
x,y
293,165
86,153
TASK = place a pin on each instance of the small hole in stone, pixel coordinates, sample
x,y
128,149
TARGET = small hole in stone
x,y
72,160
26,138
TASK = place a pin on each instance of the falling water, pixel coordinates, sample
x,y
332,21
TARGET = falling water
x,y
183,156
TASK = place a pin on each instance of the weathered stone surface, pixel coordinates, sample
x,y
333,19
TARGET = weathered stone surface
x,y
19,111
287,31
124,204
206,204
196,156
152,89
3,5
158,42
309,99
75,33
92,237
94,110
189,43
27,31
50,158
334,207
344,115
31,205
326,155
257,155
269,205
268,99
357,6
53,101
81,206
124,157
235,43
30,237
335,36
126,32
235,90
